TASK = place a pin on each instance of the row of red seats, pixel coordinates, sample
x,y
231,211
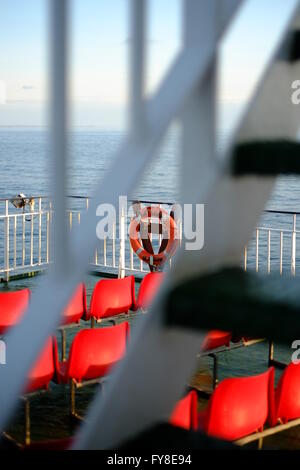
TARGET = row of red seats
x,y
184,415
110,297
93,354
242,406
94,351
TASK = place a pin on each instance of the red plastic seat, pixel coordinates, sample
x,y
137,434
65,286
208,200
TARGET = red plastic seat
x,y
238,407
76,308
93,353
112,297
286,404
215,339
185,412
44,370
12,307
148,289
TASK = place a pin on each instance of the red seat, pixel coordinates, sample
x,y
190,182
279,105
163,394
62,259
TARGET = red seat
x,y
12,307
93,353
286,404
44,369
76,308
112,297
215,339
148,289
238,407
57,444
185,412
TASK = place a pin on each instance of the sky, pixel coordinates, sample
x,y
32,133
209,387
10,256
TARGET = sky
x,y
99,46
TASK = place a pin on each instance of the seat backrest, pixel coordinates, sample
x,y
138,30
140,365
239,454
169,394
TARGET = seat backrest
x,y
111,297
95,351
286,404
12,307
44,369
76,308
185,412
239,406
148,289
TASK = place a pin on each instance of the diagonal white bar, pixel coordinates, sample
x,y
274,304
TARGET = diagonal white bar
x,y
159,362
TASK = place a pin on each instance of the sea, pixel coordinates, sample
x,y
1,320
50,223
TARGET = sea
x,y
25,168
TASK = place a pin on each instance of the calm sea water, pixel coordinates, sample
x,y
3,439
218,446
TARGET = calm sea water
x,y
24,167
24,163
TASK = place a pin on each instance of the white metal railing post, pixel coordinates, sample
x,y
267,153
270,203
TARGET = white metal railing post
x,y
49,227
47,236
15,241
31,237
131,257
122,235
40,231
114,245
293,246
269,252
6,242
281,252
23,240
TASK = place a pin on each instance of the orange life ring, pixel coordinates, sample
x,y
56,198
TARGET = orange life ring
x,y
168,223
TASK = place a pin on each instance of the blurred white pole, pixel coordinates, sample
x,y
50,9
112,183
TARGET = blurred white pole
x,y
137,68
59,66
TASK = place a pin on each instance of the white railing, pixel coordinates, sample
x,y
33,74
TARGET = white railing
x,y
24,236
25,245
273,247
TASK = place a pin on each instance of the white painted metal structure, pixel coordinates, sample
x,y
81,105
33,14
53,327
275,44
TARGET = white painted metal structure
x,y
159,361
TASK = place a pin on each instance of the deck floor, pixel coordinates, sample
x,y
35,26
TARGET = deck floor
x,y
49,411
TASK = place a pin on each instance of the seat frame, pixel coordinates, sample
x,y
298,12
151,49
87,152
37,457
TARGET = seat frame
x,y
270,431
27,421
74,386
214,353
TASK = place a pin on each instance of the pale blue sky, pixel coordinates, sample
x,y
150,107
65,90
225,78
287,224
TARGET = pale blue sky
x,y
99,40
